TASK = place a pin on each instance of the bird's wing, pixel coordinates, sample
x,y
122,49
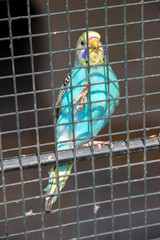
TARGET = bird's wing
x,y
61,94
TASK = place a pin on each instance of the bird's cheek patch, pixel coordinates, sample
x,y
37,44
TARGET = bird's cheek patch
x,y
84,54
104,51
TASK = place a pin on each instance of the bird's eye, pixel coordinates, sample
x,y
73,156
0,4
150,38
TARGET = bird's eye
x,y
82,43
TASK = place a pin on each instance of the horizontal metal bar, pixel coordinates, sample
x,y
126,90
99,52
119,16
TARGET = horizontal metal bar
x,y
85,205
77,10
52,143
118,148
40,54
44,34
87,221
137,196
51,108
58,88
66,69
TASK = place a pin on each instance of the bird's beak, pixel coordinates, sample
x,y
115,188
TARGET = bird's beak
x,y
94,44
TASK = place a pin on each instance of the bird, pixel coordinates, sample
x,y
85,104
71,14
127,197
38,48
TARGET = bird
x,y
88,96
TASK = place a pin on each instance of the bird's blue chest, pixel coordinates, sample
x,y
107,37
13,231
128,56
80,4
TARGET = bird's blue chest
x,y
97,87
97,106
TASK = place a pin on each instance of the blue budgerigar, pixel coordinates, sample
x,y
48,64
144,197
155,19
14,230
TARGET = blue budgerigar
x,y
87,89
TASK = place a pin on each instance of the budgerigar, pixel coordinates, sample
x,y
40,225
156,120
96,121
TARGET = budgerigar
x,y
87,83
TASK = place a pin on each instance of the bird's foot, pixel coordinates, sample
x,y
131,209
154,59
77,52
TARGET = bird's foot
x,y
82,96
98,144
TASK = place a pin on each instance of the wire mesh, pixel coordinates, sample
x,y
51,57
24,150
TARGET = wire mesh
x,y
111,194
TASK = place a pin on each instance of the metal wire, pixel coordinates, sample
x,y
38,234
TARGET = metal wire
x,y
17,115
123,178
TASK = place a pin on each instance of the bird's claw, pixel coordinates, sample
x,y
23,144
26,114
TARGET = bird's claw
x,y
98,144
83,97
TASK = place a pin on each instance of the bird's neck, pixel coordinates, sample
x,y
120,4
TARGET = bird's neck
x,y
77,63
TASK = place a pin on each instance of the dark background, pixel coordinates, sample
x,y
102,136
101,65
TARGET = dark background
x,y
40,72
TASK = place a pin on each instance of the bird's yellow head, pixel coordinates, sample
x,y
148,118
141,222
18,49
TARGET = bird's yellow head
x,y
96,50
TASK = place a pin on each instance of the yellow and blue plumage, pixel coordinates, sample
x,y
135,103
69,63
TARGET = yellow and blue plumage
x,y
86,85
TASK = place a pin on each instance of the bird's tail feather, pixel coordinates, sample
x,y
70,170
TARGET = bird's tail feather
x,y
52,188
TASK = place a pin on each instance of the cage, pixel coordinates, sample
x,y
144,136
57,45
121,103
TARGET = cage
x,y
110,194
